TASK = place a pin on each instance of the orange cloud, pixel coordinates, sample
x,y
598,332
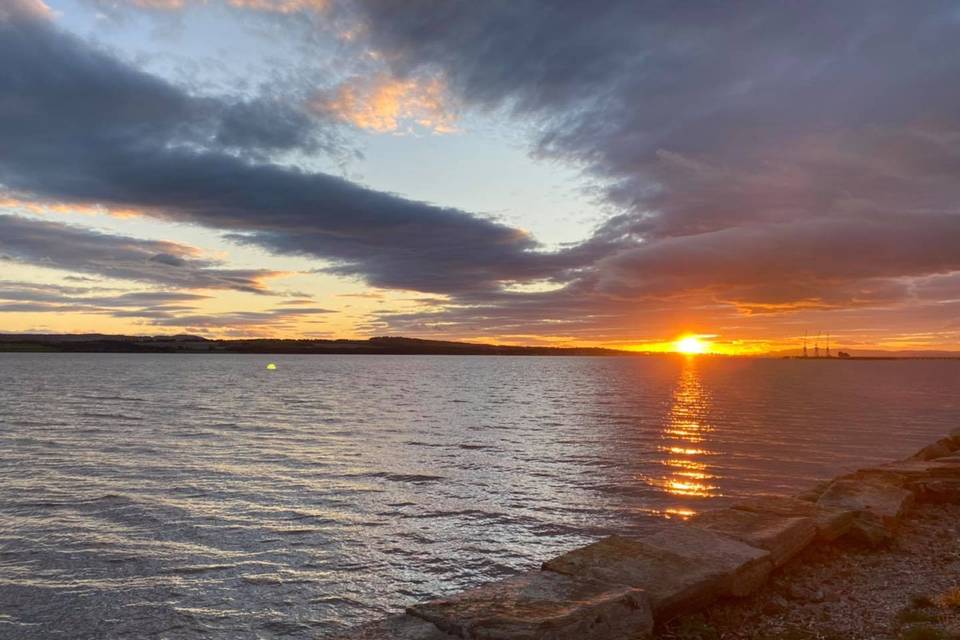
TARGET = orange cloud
x,y
162,5
31,9
385,104
8,201
280,6
272,6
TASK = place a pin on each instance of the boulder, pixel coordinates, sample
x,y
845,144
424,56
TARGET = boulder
x,y
812,495
954,437
905,471
746,567
676,584
870,529
782,536
887,501
939,449
937,490
401,627
830,523
543,605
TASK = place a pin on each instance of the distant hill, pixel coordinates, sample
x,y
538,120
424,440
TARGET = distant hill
x,y
102,343
107,343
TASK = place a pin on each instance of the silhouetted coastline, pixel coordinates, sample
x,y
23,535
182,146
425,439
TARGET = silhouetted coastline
x,y
98,343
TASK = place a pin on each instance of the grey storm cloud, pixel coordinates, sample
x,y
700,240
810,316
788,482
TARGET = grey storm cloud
x,y
81,126
72,248
762,154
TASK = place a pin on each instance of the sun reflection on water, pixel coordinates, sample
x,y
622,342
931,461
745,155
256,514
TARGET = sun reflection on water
x,y
687,474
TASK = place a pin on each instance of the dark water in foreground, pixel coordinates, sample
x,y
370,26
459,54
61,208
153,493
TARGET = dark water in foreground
x,y
206,497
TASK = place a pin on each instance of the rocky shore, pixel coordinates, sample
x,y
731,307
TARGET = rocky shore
x,y
871,554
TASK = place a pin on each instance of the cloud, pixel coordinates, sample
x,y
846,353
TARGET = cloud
x,y
266,6
755,166
25,10
158,309
386,104
274,319
85,128
78,249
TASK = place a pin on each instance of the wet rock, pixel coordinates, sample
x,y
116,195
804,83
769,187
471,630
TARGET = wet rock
x,y
401,627
830,523
939,449
677,584
782,536
543,604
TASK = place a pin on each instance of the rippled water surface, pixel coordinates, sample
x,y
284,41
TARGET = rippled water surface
x,y
199,496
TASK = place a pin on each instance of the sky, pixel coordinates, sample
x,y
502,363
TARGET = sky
x,y
568,173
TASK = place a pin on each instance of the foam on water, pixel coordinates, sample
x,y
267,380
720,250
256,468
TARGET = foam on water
x,y
208,497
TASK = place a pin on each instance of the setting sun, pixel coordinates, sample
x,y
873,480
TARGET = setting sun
x,y
691,345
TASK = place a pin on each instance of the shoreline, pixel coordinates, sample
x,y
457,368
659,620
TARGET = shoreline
x,y
869,555
851,591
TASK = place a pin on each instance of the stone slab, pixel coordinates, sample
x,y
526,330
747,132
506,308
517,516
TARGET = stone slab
x,y
939,449
900,473
543,605
954,437
871,529
676,584
937,490
401,627
888,501
813,494
782,536
746,567
830,523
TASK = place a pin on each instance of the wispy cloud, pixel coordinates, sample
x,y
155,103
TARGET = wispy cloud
x,y
78,249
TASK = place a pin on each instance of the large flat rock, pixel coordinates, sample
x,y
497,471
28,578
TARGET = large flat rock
x,y
543,605
401,627
676,584
746,567
954,437
888,501
830,523
937,490
905,471
939,449
782,536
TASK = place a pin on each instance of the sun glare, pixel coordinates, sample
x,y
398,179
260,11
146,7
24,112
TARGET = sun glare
x,y
691,345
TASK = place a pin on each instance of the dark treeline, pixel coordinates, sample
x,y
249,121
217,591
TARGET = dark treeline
x,y
97,343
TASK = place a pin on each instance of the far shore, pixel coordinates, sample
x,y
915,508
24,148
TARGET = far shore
x,y
386,345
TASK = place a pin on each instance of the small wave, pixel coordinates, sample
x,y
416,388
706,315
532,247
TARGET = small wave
x,y
405,477
109,416
199,568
